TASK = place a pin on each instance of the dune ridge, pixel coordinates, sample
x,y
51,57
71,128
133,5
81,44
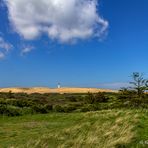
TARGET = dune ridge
x,y
43,90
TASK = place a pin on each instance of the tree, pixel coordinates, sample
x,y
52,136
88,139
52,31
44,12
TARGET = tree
x,y
140,85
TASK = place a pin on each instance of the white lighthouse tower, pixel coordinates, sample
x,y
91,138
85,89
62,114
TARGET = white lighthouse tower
x,y
59,85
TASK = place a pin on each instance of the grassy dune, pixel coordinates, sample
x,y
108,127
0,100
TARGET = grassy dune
x,y
102,129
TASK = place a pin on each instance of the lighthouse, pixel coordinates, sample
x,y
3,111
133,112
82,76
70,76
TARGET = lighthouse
x,y
59,85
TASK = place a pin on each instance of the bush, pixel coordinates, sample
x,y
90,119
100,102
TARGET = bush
x,y
90,107
23,103
96,98
100,97
71,98
90,98
48,107
40,109
69,108
58,108
3,101
2,109
65,109
10,110
27,110
125,94
84,109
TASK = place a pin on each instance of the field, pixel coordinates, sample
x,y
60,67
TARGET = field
x,y
100,129
86,120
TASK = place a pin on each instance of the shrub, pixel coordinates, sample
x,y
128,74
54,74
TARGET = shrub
x,y
90,98
90,107
100,97
69,108
84,109
58,108
3,101
125,94
22,103
2,109
48,107
10,110
71,98
40,109
27,110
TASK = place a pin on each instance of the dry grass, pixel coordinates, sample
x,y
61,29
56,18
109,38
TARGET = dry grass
x,y
105,129
101,129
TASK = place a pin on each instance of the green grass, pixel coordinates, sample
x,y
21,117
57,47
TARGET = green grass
x,y
101,129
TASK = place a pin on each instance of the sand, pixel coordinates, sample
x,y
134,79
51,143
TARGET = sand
x,y
43,90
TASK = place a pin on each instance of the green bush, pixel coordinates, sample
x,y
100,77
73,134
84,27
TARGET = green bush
x,y
65,109
90,107
2,109
10,110
69,108
125,94
27,110
101,98
48,107
90,98
84,109
71,98
3,101
40,109
58,108
22,103
96,98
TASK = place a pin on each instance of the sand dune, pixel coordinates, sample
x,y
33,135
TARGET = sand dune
x,y
54,90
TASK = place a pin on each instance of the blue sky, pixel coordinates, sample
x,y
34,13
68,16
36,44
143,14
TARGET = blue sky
x,y
100,55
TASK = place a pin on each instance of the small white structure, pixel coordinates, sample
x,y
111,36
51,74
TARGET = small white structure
x,y
59,85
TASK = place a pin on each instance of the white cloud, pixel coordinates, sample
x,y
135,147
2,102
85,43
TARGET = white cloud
x,y
5,47
26,50
62,20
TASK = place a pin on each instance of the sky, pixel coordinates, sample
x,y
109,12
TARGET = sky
x,y
79,43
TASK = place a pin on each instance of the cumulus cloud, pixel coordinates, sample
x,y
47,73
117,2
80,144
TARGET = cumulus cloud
x,y
5,47
62,20
26,49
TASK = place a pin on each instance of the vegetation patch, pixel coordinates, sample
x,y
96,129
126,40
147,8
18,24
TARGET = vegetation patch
x,y
101,129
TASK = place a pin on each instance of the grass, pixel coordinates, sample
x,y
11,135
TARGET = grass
x,y
101,129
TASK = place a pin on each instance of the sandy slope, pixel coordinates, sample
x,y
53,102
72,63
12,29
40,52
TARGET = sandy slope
x,y
54,90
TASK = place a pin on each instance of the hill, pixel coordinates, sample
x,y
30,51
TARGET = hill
x,y
43,90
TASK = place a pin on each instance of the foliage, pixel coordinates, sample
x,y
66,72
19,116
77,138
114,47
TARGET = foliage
x,y
58,108
95,98
140,84
100,97
21,103
10,110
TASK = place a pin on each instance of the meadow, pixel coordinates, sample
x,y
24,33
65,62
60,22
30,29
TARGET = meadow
x,y
116,128
86,120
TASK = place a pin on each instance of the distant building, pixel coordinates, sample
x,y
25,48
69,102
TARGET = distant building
x,y
59,85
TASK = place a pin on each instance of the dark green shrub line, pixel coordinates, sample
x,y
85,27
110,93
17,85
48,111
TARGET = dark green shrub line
x,y
21,103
